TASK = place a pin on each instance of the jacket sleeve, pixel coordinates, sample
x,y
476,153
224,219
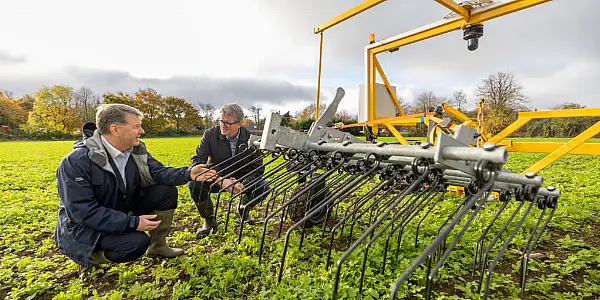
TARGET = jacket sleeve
x,y
203,150
168,175
77,195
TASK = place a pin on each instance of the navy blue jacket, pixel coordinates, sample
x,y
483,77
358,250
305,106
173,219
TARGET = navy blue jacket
x,y
87,187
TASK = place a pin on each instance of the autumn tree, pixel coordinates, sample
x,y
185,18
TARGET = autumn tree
x,y
149,102
53,111
11,113
309,112
181,114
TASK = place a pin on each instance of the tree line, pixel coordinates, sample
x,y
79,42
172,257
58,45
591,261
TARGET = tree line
x,y
60,110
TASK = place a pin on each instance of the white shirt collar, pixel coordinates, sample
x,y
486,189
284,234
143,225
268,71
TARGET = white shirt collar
x,y
114,152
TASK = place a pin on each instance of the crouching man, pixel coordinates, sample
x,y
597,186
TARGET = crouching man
x,y
112,190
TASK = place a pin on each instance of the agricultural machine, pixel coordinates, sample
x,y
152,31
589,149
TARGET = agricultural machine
x,y
363,193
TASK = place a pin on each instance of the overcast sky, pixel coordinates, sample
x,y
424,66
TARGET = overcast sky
x,y
264,52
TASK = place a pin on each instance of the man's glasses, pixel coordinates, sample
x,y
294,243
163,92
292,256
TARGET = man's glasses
x,y
227,124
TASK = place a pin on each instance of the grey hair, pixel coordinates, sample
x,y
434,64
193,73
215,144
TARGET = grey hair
x,y
233,110
114,113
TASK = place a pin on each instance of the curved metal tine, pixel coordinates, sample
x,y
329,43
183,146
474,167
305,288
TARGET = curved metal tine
x,y
224,188
283,183
364,200
377,207
286,204
368,232
504,247
487,191
526,250
335,201
450,217
332,198
337,178
524,272
434,188
259,197
481,239
429,191
439,239
404,212
493,242
434,205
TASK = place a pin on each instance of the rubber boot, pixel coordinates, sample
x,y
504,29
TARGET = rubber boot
x,y
158,236
243,201
206,211
98,258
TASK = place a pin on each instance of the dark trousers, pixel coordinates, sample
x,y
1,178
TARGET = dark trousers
x,y
200,194
132,245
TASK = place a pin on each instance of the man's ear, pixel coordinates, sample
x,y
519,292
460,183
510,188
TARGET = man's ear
x,y
113,128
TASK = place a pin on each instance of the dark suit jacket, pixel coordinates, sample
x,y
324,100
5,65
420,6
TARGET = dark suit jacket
x,y
214,148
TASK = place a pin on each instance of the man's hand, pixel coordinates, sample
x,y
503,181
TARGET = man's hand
x,y
146,223
232,185
201,172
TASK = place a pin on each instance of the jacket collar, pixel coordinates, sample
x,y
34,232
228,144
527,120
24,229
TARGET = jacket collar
x,y
97,153
242,134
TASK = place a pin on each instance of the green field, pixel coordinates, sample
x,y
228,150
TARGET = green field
x,y
218,267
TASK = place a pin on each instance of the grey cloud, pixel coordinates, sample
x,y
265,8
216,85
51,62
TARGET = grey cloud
x,y
7,58
533,44
217,91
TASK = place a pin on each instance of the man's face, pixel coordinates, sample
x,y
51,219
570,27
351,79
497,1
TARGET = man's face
x,y
229,126
129,134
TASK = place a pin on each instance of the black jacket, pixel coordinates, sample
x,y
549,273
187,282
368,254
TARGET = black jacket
x,y
214,148
87,188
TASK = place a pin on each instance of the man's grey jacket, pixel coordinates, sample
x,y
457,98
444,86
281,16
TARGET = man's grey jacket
x,y
87,187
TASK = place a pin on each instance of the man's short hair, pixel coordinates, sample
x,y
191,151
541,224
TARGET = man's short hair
x,y
114,113
233,110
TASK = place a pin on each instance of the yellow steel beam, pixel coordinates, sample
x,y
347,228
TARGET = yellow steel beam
x,y
347,14
455,113
371,86
510,129
564,113
397,134
388,87
319,75
453,6
543,147
393,120
478,15
564,149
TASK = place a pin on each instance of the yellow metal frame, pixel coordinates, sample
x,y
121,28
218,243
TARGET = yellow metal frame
x,y
464,16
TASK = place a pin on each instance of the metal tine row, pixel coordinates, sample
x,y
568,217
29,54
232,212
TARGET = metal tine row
x,y
404,196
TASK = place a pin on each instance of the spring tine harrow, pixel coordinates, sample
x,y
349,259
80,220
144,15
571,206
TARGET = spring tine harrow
x,y
362,194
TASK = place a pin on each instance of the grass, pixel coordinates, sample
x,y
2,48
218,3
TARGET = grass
x,y
217,267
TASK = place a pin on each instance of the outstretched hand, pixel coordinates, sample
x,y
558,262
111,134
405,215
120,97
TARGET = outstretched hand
x,y
201,172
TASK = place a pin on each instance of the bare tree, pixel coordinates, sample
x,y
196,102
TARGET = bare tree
x,y
86,101
503,98
458,100
426,101
207,111
255,111
309,112
6,93
501,91
344,116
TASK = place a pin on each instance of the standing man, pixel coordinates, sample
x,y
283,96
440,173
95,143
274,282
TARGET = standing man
x,y
219,144
112,190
